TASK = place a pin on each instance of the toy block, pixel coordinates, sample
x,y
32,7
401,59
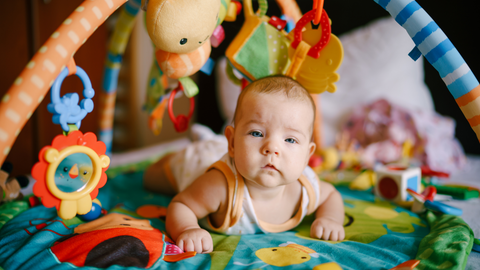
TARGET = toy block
x,y
218,36
278,23
393,181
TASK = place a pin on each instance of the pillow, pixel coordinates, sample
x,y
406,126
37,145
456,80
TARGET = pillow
x,y
375,65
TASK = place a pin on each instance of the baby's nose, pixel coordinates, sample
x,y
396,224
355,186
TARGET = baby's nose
x,y
270,149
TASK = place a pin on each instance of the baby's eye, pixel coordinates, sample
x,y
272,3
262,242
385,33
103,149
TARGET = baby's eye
x,y
290,140
256,134
183,41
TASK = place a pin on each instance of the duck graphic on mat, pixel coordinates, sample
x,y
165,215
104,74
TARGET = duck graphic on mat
x,y
286,254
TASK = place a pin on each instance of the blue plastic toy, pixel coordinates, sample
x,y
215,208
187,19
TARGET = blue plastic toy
x,y
441,207
93,214
66,109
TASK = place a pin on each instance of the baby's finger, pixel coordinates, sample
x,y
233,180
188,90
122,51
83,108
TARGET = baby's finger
x,y
341,235
334,236
316,232
180,244
207,245
198,245
189,245
326,234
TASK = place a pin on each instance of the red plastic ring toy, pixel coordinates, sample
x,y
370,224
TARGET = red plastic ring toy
x,y
326,31
180,122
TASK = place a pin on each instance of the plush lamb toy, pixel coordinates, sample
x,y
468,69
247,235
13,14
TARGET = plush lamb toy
x,y
181,31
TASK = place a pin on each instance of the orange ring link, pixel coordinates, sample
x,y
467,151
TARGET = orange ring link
x,y
317,5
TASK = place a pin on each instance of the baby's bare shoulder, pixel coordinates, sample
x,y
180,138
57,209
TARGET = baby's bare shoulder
x,y
209,190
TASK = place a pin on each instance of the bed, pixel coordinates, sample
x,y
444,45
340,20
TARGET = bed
x,y
379,234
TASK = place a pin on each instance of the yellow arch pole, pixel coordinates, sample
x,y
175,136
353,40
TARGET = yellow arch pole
x,y
29,89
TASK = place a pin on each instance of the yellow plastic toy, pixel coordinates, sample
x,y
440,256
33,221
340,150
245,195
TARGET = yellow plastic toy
x,y
325,54
364,181
70,172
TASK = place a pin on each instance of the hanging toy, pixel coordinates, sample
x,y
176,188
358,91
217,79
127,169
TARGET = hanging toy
x,y
180,122
72,169
182,32
260,48
66,110
316,71
95,212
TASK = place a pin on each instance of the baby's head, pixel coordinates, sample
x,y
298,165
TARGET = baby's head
x,y
271,141
276,85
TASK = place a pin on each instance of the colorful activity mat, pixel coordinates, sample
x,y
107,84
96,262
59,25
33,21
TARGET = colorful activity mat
x,y
379,235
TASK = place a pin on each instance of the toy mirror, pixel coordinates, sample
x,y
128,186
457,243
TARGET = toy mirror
x,y
70,172
73,172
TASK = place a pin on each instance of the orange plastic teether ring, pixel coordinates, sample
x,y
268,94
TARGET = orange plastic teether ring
x,y
317,5
324,39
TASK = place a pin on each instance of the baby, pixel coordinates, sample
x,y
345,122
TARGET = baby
x,y
263,183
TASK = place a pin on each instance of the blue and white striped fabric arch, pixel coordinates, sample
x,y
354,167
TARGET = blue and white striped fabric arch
x,y
432,42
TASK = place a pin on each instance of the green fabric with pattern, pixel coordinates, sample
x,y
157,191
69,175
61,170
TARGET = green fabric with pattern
x,y
448,244
277,51
225,246
265,53
254,54
10,210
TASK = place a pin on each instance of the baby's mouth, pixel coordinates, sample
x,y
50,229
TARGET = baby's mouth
x,y
269,167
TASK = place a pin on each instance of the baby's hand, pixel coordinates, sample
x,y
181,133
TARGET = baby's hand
x,y
327,229
198,240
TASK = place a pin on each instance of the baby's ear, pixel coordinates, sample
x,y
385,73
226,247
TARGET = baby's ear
x,y
229,134
144,5
311,149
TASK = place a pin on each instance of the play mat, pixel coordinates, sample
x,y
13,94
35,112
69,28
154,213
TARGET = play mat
x,y
125,227
379,235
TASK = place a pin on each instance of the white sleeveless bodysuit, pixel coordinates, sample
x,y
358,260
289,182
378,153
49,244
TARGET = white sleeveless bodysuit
x,y
241,218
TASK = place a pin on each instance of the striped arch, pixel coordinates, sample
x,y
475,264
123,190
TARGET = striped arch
x,y
431,42
116,49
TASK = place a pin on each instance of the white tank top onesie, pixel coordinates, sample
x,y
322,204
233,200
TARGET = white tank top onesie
x,y
240,217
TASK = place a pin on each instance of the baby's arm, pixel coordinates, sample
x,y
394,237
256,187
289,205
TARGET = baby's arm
x,y
204,196
328,224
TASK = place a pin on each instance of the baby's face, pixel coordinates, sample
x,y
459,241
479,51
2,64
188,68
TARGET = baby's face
x,y
272,139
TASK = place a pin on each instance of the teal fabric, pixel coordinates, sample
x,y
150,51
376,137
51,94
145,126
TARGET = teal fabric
x,y
380,235
10,210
